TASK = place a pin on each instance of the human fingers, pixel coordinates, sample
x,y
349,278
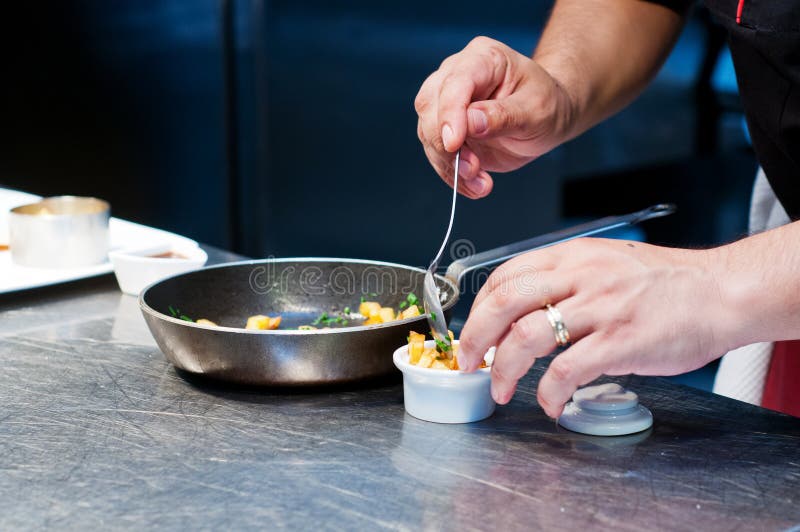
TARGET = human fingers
x,y
474,73
469,164
529,338
581,363
473,189
540,260
492,319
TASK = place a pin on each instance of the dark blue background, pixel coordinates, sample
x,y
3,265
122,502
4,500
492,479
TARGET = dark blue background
x,y
287,128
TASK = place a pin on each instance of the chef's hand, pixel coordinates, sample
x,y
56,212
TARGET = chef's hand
x,y
502,107
629,308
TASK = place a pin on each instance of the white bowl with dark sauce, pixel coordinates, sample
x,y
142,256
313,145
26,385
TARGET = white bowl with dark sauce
x,y
135,269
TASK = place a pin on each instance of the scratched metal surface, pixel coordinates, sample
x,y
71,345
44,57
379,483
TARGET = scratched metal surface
x,y
98,431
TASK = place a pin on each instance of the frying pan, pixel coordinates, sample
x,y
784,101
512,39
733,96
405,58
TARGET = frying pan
x,y
300,289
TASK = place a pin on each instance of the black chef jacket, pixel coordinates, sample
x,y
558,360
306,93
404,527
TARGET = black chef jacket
x,y
764,38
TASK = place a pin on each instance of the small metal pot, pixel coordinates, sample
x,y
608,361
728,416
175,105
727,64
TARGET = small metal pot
x,y
60,232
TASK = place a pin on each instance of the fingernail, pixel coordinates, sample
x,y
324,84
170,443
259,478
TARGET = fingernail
x,y
447,135
509,395
464,168
478,121
477,186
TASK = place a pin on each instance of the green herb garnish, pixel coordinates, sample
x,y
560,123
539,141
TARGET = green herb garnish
x,y
324,319
347,310
403,304
412,299
373,294
363,299
443,345
176,313
433,316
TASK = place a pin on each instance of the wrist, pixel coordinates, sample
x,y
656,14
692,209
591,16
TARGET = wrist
x,y
738,313
573,96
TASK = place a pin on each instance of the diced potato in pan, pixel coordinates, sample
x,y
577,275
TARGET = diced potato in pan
x,y
263,323
410,312
371,312
386,314
369,309
375,313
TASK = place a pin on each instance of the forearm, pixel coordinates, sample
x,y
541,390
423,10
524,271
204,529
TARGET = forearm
x,y
759,279
604,52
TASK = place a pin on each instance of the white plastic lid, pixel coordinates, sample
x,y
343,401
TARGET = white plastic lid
x,y
605,410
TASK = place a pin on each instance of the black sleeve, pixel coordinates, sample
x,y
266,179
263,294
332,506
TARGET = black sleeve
x,y
679,6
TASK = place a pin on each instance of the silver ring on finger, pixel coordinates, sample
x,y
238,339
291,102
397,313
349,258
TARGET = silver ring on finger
x,y
556,321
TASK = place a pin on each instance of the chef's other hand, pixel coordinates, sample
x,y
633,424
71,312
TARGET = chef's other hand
x,y
501,108
629,307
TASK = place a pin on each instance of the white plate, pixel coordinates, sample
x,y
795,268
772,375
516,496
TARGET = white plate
x,y
8,200
124,234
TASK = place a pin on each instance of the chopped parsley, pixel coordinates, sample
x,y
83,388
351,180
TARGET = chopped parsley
x,y
433,316
412,299
322,318
443,345
176,313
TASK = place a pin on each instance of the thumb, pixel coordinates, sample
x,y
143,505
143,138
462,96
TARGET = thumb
x,y
494,118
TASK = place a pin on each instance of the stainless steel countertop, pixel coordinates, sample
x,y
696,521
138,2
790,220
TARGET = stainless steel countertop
x,y
97,430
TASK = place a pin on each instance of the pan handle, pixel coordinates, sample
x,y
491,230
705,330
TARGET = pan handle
x,y
460,267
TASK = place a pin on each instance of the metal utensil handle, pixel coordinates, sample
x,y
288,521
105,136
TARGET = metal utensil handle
x,y
430,294
460,267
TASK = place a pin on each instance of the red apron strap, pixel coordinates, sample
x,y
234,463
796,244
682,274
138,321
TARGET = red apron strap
x,y
782,387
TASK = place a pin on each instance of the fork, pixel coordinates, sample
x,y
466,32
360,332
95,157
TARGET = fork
x,y
431,298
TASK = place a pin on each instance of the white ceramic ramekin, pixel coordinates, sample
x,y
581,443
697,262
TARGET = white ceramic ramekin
x,y
137,269
445,396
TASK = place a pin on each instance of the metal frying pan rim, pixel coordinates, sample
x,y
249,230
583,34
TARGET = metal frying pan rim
x,y
160,315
